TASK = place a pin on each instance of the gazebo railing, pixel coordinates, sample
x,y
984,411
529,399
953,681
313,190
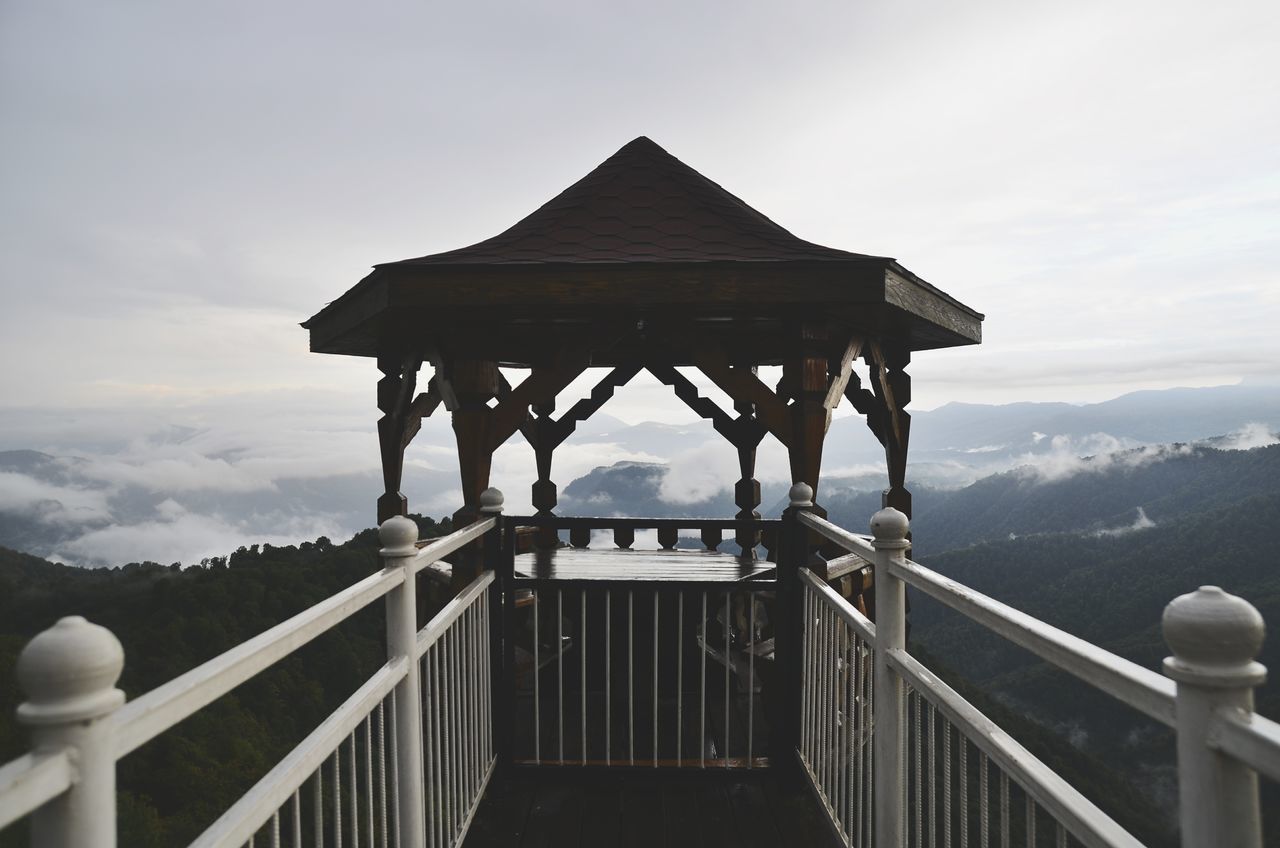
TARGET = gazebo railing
x,y
941,770
629,668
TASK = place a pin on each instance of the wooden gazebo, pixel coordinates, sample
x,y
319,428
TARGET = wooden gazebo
x,y
642,264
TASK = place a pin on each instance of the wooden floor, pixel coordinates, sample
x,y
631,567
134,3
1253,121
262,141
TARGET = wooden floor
x,y
617,809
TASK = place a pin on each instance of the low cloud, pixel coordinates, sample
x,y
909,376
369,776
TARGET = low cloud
x,y
1142,522
177,535
51,503
1093,454
1250,436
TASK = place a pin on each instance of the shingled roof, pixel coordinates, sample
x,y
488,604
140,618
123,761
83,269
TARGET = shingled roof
x,y
640,205
643,240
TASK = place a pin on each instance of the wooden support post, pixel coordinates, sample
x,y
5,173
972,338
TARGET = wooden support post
x,y
746,493
805,378
395,391
474,383
893,384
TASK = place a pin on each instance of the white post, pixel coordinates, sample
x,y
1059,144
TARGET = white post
x,y
69,675
889,527
398,535
1214,637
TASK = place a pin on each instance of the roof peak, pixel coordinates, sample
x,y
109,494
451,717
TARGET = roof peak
x,y
640,205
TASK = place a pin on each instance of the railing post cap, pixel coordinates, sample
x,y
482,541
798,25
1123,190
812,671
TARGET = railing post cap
x,y
491,501
399,536
801,495
889,526
1214,636
69,673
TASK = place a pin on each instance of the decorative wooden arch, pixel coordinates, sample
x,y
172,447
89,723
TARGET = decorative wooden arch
x,y
642,264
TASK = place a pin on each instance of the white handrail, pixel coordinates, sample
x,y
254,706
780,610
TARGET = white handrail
x,y
1249,737
146,717
860,545
1140,688
1082,818
244,818
31,781
865,627
446,545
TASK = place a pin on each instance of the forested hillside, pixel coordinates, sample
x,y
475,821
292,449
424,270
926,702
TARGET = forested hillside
x,y
170,620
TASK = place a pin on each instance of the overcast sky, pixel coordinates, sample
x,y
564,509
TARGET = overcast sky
x,y
182,182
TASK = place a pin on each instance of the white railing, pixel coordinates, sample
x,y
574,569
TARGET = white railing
x,y
837,705
402,762
939,770
646,694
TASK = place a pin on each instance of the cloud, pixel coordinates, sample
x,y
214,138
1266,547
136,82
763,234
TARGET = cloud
x,y
177,535
1248,437
1141,522
1093,454
699,473
50,503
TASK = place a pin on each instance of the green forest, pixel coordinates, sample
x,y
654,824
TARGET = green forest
x,y
170,619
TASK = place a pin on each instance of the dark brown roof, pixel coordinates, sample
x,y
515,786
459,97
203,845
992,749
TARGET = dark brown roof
x,y
640,205
641,241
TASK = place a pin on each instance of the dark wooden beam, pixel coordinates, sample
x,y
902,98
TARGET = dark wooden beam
x,y
395,389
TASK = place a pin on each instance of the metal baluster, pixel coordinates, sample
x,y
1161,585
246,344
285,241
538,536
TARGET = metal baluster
x,y
858,679
702,649
456,696
1031,821
337,797
537,673
964,789
1062,836
804,676
919,772
382,769
275,829
466,694
822,703
318,812
810,681
368,777
583,653
851,728
441,809
727,620
946,783
655,678
560,671
395,776
984,800
680,677
631,677
448,768
608,678
751,678
354,795
1004,810
932,783
869,789
296,820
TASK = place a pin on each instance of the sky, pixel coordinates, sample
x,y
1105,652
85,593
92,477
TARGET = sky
x,y
183,183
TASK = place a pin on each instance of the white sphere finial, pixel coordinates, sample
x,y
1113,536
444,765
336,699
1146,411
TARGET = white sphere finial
x,y
491,501
801,495
1214,636
399,536
69,673
889,526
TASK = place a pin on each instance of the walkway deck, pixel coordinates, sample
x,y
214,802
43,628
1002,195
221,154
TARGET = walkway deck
x,y
616,809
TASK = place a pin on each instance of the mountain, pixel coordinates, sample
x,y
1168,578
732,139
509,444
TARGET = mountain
x,y
182,493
